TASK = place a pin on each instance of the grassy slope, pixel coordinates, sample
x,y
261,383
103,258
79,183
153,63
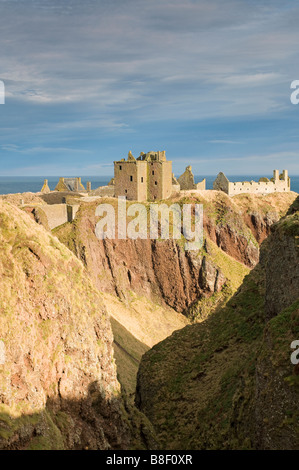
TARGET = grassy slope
x,y
198,386
233,271
194,374
138,325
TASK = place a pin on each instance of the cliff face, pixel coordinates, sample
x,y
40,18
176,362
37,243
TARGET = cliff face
x,y
228,382
58,384
282,266
163,270
277,384
160,270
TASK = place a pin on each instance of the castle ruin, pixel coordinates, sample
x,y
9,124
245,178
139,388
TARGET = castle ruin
x,y
149,177
67,185
279,183
186,181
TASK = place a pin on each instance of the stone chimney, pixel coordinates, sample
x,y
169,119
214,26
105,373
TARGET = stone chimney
x,y
45,188
276,175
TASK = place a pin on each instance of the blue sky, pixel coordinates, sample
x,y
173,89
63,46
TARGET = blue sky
x,y
206,80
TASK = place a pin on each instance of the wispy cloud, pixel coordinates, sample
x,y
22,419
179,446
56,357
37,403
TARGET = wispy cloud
x,y
97,78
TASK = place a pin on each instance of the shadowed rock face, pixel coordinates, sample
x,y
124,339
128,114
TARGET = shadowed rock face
x,y
228,383
277,386
58,384
282,279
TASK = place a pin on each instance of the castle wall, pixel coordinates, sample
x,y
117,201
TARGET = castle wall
x,y
221,183
45,189
155,180
279,183
175,189
104,191
123,173
72,211
58,214
167,179
186,180
262,187
142,178
201,185
131,179
59,197
61,186
159,180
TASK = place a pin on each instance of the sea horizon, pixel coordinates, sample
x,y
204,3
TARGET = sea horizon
x,y
22,184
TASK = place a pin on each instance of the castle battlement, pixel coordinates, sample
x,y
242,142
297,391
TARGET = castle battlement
x,y
278,183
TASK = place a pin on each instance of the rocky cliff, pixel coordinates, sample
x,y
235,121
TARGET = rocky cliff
x,y
58,383
228,382
166,273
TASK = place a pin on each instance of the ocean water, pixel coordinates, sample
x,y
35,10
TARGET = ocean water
x,y
22,184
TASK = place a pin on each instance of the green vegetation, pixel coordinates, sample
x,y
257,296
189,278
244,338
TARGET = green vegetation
x,y
218,384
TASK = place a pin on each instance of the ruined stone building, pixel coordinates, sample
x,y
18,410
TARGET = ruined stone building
x,y
279,183
186,181
149,177
67,185
70,184
45,189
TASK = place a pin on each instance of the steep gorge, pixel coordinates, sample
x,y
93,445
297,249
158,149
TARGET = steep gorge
x,y
149,283
228,383
59,387
162,270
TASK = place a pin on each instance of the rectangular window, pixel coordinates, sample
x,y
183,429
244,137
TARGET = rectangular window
x,y
120,167
156,183
131,178
153,172
141,179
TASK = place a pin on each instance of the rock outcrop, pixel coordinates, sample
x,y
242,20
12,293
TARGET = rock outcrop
x,y
58,383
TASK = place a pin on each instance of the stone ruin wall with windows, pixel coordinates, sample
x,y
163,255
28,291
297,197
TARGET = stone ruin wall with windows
x,y
279,183
149,177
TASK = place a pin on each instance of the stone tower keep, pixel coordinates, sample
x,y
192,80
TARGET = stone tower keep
x,y
149,177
